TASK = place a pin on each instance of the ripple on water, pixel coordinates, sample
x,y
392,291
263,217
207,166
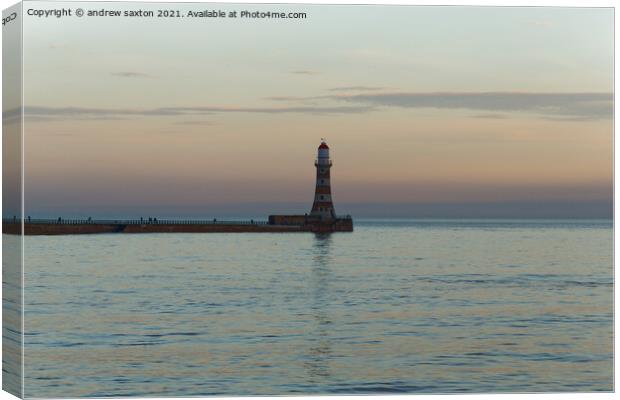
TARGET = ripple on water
x,y
395,307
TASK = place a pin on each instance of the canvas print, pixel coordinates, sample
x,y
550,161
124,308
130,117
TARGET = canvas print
x,y
217,199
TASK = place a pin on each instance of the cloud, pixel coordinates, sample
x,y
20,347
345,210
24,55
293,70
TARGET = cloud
x,y
289,98
489,116
131,74
357,88
552,106
305,72
581,105
49,113
200,123
85,112
275,110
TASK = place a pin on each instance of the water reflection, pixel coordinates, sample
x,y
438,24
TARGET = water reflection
x,y
320,346
321,249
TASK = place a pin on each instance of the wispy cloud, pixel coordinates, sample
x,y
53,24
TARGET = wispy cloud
x,y
575,105
552,106
294,99
86,112
272,110
48,113
489,116
356,89
305,72
132,74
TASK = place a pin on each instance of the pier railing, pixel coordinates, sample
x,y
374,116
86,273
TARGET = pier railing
x,y
143,221
147,221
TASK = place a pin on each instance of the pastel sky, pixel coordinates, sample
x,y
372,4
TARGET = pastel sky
x,y
442,109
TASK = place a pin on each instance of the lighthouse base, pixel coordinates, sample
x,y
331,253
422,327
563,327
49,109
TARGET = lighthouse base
x,y
311,223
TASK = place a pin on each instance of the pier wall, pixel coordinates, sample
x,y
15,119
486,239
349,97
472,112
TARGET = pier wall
x,y
209,228
81,227
59,229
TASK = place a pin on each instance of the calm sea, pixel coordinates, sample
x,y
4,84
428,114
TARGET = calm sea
x,y
398,306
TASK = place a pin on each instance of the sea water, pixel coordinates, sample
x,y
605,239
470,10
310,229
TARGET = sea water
x,y
398,306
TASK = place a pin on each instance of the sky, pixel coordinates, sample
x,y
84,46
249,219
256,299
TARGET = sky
x,y
429,111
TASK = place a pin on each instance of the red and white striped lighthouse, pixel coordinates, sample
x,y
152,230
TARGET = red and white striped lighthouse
x,y
323,206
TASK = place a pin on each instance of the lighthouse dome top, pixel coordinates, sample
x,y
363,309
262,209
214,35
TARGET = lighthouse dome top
x,y
323,145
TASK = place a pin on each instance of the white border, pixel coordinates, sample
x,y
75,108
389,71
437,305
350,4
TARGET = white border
x,y
532,3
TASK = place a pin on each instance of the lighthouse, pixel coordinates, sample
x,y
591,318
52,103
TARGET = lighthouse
x,y
322,217
323,206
